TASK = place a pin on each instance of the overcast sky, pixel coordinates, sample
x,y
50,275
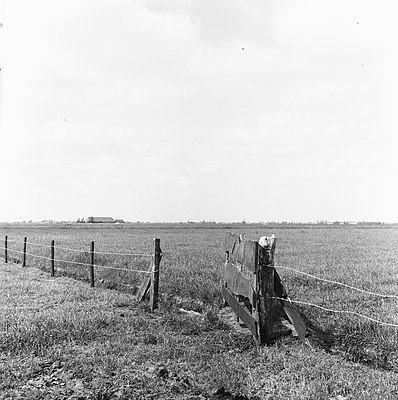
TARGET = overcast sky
x,y
176,110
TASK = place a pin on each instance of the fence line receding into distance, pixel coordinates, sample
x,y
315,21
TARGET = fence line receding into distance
x,y
150,282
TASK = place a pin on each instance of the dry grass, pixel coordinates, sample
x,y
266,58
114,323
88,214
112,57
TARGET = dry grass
x,y
61,339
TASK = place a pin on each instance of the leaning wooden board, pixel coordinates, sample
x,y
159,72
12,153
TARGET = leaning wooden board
x,y
241,312
250,276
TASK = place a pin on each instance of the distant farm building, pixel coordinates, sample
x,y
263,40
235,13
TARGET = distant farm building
x,y
100,220
119,221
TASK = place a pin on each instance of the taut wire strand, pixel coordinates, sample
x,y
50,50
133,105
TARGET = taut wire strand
x,y
83,251
338,283
79,263
336,311
48,245
125,254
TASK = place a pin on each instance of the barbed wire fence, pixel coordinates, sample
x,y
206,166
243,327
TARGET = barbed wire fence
x,y
332,310
151,274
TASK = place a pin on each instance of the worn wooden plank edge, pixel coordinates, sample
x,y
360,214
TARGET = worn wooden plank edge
x,y
295,319
143,290
279,288
145,285
230,242
291,311
244,315
238,283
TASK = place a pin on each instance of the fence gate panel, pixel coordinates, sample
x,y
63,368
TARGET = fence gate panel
x,y
254,290
239,289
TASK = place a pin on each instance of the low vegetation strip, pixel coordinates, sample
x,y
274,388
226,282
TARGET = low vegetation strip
x,y
353,358
60,339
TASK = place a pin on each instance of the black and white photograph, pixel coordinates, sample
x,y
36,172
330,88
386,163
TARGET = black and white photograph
x,y
198,200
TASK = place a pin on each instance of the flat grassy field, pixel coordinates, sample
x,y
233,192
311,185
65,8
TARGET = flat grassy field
x,y
62,339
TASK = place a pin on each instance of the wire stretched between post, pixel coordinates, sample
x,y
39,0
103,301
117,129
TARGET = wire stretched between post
x,y
124,254
80,263
48,245
15,241
339,283
336,311
123,269
84,251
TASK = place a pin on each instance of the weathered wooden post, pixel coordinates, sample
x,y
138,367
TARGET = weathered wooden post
x,y
5,250
268,306
254,290
92,265
154,294
24,252
52,258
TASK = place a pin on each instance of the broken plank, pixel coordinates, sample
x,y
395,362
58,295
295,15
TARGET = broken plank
x,y
280,290
143,289
231,241
247,255
295,319
238,283
241,312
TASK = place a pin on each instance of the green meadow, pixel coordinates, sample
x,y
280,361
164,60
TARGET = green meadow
x,y
62,339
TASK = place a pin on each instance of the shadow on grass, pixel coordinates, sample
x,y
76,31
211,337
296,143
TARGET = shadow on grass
x,y
362,342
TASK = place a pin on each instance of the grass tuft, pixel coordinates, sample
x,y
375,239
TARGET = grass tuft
x,y
61,339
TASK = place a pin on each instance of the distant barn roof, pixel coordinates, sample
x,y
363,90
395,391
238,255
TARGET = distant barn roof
x,y
100,219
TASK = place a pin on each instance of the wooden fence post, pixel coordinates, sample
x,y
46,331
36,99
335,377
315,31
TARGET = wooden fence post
x,y
267,304
24,252
5,250
92,265
52,258
154,294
